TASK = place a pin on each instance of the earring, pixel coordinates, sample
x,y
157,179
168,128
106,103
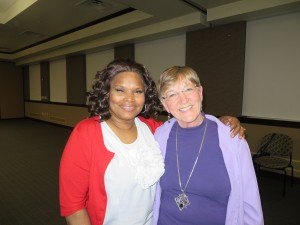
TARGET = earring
x,y
169,117
145,109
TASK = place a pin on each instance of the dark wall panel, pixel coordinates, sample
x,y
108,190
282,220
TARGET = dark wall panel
x,y
76,79
25,72
218,55
11,91
45,81
125,52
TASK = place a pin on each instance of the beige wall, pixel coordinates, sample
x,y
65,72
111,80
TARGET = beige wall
x,y
158,55
272,65
56,113
96,62
58,80
70,115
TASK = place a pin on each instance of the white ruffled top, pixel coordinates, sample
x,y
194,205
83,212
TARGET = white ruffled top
x,y
143,155
131,177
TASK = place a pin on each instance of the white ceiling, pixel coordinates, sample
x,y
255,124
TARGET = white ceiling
x,y
5,4
32,30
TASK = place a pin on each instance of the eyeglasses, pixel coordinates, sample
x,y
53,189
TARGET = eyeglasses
x,y
173,95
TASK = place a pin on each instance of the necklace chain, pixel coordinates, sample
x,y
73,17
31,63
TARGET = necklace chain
x,y
177,160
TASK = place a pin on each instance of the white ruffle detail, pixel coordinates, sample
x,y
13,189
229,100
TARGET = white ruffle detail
x,y
148,164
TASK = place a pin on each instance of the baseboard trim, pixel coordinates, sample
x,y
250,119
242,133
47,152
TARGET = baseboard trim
x,y
47,122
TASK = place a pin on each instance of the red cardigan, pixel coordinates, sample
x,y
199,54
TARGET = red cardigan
x,y
82,169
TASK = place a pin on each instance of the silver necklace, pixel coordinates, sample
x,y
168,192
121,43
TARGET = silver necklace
x,y
182,199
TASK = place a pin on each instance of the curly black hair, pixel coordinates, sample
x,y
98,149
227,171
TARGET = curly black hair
x,y
98,97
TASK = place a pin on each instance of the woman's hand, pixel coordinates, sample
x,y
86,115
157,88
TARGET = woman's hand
x,y
235,126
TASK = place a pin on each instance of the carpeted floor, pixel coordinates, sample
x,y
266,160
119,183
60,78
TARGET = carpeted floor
x,y
29,159
279,210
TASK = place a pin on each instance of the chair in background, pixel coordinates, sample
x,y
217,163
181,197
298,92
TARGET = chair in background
x,y
275,153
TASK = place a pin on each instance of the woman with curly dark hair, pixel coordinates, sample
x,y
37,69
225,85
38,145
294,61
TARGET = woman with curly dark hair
x,y
111,164
99,96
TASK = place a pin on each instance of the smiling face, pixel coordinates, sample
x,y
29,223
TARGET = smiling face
x,y
126,96
187,104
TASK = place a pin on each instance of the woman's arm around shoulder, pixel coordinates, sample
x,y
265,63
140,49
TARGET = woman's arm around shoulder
x,y
235,126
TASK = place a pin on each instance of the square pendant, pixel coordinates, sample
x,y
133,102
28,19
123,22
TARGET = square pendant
x,y
182,201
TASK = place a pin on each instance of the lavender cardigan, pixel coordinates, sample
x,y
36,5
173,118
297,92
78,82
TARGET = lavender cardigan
x,y
244,206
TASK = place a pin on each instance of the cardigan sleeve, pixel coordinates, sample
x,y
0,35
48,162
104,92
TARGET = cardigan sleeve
x,y
152,123
253,214
74,171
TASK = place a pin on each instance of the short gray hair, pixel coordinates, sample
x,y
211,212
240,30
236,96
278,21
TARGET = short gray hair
x,y
172,74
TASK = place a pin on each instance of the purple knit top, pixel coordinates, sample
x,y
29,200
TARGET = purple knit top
x,y
209,187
